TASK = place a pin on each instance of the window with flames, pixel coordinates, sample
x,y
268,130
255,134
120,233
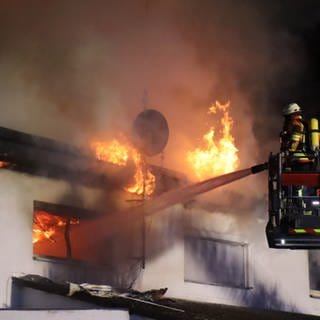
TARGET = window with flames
x,y
65,232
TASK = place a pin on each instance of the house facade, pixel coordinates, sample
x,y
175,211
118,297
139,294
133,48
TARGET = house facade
x,y
199,253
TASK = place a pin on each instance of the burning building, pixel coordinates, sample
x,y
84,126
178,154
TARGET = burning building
x,y
70,239
103,215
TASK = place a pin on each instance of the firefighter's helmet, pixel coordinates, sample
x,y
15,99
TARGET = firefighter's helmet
x,y
291,108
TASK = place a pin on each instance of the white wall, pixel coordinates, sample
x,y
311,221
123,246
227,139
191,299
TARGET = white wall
x,y
64,315
17,192
278,279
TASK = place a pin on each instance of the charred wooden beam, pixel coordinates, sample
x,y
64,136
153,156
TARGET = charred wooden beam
x,y
65,210
38,142
46,157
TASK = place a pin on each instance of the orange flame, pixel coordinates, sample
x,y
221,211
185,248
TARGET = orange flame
x,y
113,152
144,180
120,153
45,225
216,157
3,164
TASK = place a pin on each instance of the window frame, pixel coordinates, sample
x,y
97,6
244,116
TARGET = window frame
x,y
314,292
65,211
245,262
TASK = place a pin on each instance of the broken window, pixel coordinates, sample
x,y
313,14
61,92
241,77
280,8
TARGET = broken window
x,y
65,232
216,262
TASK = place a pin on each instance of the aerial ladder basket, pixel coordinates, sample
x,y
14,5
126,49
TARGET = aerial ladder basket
x,y
294,205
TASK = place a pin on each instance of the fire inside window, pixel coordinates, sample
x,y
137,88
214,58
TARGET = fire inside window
x,y
65,232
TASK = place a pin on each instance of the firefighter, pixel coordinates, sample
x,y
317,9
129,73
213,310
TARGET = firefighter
x,y
294,148
293,139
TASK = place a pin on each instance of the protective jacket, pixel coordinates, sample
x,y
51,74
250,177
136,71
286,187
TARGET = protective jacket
x,y
293,139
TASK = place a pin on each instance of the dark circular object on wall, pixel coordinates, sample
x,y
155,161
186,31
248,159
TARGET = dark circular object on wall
x,y
151,132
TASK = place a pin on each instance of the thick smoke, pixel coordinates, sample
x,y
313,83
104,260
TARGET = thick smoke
x,y
74,70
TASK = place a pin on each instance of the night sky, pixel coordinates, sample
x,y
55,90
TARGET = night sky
x,y
300,20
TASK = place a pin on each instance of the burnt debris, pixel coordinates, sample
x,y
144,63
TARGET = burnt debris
x,y
162,308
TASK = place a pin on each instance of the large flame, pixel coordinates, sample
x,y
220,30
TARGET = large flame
x,y
120,153
113,152
45,225
217,156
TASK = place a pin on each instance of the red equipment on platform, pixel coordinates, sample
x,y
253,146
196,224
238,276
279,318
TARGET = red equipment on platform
x,y
294,205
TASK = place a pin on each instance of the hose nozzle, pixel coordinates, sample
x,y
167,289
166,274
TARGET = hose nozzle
x,y
259,167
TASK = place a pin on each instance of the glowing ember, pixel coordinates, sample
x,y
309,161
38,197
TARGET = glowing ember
x,y
45,225
218,156
120,153
3,164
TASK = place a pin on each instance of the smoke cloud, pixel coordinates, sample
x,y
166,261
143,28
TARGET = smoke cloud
x,y
76,70
73,70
